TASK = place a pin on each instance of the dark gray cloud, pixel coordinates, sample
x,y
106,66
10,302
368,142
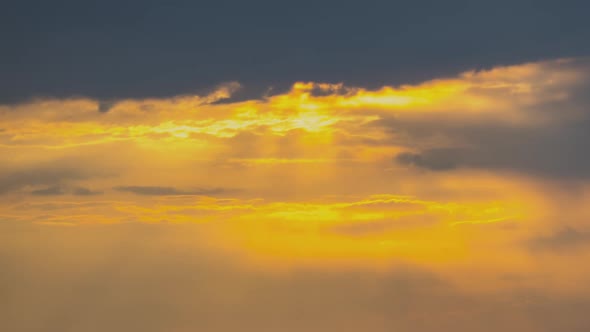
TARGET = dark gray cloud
x,y
61,190
51,175
165,191
554,150
105,106
49,191
435,159
563,240
131,48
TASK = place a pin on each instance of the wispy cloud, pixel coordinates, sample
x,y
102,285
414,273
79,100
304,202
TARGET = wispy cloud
x,y
165,191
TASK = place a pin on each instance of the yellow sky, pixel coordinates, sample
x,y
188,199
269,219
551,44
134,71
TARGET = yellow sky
x,y
311,177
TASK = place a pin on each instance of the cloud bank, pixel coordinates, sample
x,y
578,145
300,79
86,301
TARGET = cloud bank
x,y
456,204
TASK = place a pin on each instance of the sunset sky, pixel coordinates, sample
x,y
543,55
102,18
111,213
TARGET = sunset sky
x,y
267,166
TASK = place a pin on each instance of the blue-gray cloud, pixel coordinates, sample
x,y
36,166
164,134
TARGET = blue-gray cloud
x,y
50,175
558,150
169,191
49,191
61,190
133,48
563,240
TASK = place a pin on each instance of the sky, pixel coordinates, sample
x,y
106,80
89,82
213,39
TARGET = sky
x,y
307,166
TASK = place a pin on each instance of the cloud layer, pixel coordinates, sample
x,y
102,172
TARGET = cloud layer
x,y
132,49
456,204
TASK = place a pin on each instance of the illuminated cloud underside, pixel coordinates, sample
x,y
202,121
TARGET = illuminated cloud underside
x,y
455,174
